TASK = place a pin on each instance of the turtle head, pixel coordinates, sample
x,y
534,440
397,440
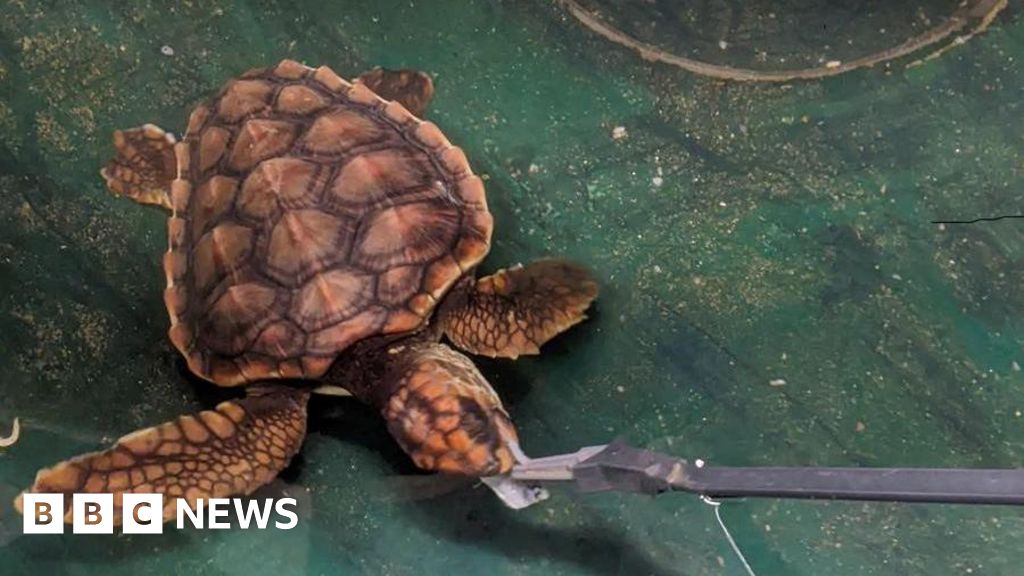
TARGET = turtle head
x,y
412,88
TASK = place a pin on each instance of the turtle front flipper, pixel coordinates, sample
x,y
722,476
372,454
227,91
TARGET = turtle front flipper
x,y
229,451
444,414
412,88
144,165
513,312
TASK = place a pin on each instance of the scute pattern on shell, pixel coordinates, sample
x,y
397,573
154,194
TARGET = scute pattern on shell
x,y
310,214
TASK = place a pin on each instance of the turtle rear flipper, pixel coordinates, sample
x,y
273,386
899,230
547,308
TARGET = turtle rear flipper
x,y
513,312
412,88
143,166
445,415
232,450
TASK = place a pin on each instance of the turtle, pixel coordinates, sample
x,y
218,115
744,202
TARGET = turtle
x,y
321,232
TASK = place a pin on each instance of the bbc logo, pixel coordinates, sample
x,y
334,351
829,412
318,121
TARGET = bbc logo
x,y
144,513
93,514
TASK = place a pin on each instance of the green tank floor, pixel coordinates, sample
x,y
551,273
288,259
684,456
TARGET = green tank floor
x,y
774,291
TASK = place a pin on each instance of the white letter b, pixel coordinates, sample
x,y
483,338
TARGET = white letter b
x,y
92,513
42,513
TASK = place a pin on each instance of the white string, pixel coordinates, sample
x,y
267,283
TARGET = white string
x,y
9,441
728,536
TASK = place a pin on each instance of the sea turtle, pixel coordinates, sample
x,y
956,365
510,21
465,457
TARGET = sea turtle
x,y
319,231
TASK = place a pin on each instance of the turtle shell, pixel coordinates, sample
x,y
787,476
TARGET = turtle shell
x,y
309,214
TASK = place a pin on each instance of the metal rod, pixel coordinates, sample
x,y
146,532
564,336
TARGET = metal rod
x,y
618,466
955,486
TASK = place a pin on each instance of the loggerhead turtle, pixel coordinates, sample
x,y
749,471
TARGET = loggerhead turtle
x,y
321,232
